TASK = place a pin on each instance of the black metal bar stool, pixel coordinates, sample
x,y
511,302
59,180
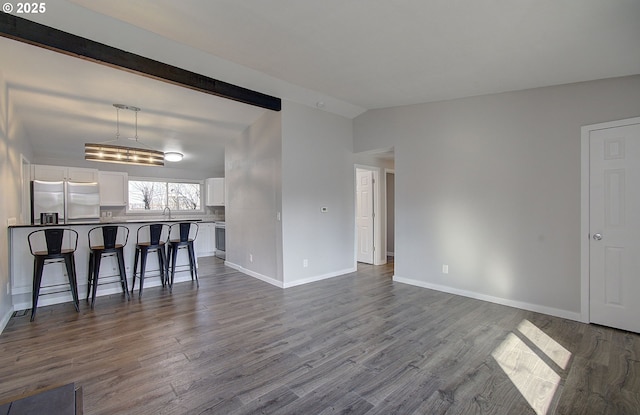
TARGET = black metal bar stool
x,y
50,246
150,238
106,240
182,235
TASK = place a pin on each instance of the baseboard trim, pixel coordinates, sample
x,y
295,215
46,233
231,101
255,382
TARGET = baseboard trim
x,y
570,315
254,274
283,285
320,277
5,319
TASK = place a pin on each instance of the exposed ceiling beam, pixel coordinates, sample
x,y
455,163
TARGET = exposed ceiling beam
x,y
36,34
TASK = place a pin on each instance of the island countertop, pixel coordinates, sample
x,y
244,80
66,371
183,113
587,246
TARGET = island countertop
x,y
119,222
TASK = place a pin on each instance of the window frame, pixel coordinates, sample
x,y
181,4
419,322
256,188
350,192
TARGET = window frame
x,y
166,182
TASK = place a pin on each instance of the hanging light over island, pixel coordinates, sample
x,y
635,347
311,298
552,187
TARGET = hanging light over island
x,y
112,152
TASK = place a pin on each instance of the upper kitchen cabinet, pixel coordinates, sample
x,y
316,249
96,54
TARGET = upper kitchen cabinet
x,y
61,173
113,188
215,191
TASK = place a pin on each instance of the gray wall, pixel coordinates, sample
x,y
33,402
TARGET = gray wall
x,y
12,145
490,186
253,196
317,171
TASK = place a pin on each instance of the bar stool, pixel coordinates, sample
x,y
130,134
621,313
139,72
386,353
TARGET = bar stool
x,y
50,246
150,238
182,235
106,240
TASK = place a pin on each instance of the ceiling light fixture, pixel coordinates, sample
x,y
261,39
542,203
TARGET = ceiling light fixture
x,y
173,156
113,153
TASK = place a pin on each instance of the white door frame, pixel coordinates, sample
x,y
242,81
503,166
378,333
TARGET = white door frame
x,y
379,218
386,210
585,237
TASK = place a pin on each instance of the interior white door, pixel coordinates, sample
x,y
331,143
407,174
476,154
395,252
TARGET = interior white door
x,y
614,227
364,215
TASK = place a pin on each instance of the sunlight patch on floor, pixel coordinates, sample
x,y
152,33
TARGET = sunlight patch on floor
x,y
546,344
526,368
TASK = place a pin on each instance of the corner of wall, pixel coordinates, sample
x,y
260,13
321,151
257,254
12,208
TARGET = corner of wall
x,y
8,205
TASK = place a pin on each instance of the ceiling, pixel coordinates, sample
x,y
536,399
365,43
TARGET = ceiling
x,y
380,53
367,53
62,102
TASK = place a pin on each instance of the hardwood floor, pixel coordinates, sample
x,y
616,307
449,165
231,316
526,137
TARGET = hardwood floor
x,y
357,344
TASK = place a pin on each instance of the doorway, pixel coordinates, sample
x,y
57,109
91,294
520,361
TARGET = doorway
x,y
365,214
610,214
374,227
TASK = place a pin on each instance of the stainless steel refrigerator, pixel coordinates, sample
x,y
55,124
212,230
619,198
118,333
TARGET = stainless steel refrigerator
x,y
71,201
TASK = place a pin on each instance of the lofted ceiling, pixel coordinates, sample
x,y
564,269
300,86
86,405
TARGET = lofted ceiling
x,y
364,53
381,53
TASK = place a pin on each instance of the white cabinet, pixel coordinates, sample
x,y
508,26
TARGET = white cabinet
x,y
114,188
215,191
61,173
205,243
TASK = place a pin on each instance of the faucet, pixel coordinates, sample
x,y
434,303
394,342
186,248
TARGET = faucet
x,y
164,211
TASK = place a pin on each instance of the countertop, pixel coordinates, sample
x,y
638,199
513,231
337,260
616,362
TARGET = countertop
x,y
120,221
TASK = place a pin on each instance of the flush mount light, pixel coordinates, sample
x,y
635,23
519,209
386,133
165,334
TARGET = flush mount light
x,y
113,153
173,156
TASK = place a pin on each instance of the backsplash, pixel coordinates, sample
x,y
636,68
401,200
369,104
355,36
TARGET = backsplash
x,y
116,213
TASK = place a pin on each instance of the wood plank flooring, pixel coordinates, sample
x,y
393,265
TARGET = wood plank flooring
x,y
356,344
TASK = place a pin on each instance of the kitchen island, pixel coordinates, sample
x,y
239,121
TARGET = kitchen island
x,y
21,260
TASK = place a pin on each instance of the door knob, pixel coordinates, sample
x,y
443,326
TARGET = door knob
x,y
597,236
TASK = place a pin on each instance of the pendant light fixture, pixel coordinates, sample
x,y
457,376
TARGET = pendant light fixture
x,y
115,153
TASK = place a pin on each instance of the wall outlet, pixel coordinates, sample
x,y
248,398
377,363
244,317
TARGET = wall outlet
x,y
445,269
11,222
305,263
250,257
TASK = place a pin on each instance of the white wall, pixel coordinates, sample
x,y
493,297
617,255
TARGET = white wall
x,y
253,199
12,144
490,186
317,171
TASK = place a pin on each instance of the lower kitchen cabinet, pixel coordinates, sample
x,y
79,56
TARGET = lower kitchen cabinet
x,y
205,243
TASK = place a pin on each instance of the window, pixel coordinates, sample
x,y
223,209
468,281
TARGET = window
x,y
149,195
